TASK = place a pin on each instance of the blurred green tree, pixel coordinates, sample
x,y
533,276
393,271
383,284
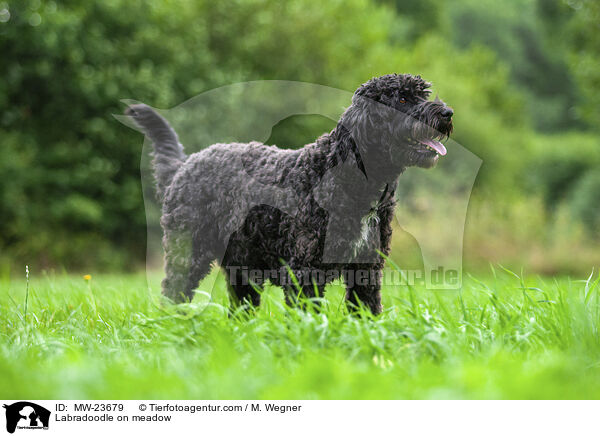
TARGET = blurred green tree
x,y
70,189
69,182
584,56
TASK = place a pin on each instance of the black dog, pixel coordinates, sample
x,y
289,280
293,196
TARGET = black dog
x,y
337,195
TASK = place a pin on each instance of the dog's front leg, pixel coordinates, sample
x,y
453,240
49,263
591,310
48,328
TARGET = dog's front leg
x,y
363,287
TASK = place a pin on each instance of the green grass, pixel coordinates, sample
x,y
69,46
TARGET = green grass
x,y
501,337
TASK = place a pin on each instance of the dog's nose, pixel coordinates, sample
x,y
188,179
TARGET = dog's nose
x,y
447,112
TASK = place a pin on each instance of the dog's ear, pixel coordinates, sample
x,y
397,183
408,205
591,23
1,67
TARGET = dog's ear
x,y
351,129
349,145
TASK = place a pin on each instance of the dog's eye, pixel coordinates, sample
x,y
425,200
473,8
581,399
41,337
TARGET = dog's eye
x,y
402,100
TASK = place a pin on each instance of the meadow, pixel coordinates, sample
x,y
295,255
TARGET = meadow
x,y
503,335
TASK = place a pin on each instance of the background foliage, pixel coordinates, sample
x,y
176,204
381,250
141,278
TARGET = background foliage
x,y
523,77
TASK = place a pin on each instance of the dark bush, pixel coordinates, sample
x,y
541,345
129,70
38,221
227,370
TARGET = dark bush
x,y
585,200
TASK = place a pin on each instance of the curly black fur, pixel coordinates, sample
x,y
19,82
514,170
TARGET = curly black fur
x,y
326,207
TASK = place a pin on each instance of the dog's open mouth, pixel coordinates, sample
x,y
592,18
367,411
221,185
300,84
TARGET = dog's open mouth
x,y
428,145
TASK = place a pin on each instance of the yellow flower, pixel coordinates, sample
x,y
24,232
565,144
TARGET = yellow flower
x,y
87,277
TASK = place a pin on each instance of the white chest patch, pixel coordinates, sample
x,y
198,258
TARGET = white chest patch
x,y
369,229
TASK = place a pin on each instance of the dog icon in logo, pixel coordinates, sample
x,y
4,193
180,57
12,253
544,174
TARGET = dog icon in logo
x,y
24,414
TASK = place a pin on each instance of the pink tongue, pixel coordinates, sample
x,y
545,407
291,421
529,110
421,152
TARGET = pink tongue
x,y
436,145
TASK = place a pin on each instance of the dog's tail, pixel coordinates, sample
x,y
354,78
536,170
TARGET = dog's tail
x,y
168,151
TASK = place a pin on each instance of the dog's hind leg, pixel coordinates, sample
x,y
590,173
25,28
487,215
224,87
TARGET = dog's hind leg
x,y
241,289
178,257
199,269
186,265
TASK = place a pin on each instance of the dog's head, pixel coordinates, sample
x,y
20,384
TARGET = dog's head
x,y
393,120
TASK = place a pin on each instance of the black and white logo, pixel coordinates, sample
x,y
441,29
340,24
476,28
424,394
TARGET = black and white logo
x,y
26,415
